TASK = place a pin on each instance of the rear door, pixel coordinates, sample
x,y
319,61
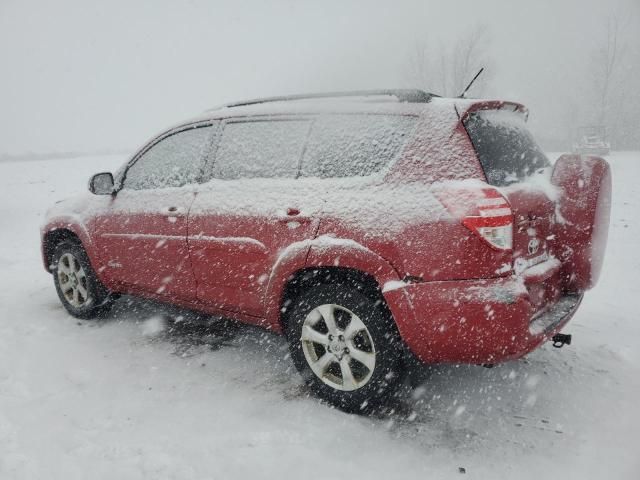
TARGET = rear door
x,y
142,235
250,211
514,163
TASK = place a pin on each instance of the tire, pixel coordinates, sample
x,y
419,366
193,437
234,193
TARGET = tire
x,y
78,287
355,364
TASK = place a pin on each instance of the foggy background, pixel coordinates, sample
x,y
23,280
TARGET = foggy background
x,y
77,76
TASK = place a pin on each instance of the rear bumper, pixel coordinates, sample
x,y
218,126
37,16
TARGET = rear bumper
x,y
479,321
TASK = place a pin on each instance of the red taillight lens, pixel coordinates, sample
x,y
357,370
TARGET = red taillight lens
x,y
484,211
494,224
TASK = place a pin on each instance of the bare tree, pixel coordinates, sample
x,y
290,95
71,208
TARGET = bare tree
x,y
447,70
606,62
613,99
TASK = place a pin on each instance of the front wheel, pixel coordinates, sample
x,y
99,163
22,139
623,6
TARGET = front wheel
x,y
78,287
345,344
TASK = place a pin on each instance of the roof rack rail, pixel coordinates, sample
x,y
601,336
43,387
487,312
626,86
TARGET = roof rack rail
x,y
403,95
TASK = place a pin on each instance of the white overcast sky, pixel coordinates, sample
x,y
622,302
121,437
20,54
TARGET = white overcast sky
x,y
82,75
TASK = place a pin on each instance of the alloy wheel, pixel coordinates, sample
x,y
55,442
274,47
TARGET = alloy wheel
x,y
73,281
338,347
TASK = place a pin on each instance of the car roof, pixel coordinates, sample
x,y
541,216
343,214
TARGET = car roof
x,y
439,110
377,102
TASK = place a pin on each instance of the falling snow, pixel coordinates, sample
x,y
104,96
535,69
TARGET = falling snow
x,y
145,393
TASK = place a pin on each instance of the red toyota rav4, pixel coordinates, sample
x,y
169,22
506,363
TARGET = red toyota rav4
x,y
359,225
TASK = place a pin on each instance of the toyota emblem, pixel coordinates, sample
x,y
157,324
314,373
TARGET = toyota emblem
x,y
534,245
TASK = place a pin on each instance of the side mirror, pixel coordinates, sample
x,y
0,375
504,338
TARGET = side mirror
x,y
101,184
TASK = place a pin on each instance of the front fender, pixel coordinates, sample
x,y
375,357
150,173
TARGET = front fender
x,y
72,224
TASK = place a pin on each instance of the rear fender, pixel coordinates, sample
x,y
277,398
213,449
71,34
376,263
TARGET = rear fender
x,y
289,261
327,251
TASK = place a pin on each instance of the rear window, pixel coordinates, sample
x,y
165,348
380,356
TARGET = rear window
x,y
507,151
354,145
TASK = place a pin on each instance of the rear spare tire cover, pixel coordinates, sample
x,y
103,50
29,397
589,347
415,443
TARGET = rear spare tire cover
x,y
582,217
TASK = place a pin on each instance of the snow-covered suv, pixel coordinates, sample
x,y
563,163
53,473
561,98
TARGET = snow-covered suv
x,y
362,226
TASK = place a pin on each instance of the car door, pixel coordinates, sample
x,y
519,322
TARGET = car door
x,y
142,234
250,211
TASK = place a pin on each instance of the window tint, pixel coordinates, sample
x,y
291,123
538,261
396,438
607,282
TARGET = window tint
x,y
506,149
260,149
172,162
354,145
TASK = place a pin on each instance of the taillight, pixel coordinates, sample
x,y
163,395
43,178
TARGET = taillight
x,y
494,224
484,211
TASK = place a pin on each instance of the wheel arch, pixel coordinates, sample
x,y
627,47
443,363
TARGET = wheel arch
x,y
313,276
54,235
333,261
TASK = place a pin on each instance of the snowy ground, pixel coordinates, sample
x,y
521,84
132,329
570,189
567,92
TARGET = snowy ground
x,y
121,399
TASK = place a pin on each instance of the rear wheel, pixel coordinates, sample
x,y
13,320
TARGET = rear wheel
x,y
78,287
344,343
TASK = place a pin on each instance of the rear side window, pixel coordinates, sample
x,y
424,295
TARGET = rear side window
x,y
507,151
260,149
174,161
354,145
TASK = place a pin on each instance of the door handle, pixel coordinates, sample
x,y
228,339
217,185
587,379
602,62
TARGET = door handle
x,y
293,212
293,215
172,211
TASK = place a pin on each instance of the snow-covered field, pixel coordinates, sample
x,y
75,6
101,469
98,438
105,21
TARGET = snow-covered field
x,y
125,398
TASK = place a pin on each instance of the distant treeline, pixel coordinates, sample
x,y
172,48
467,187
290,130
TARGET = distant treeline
x,y
31,156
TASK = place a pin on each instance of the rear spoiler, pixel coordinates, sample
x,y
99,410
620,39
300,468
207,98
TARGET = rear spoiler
x,y
465,109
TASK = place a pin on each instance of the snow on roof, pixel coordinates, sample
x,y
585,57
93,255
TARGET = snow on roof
x,y
364,103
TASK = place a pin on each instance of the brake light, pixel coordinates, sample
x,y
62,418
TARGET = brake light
x,y
494,222
485,212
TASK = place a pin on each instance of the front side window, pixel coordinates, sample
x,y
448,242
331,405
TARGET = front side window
x,y
260,149
174,161
354,145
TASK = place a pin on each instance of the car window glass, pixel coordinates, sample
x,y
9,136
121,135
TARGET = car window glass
x,y
354,145
260,149
174,161
506,149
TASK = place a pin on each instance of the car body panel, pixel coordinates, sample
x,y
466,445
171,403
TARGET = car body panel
x,y
235,241
231,247
474,321
141,236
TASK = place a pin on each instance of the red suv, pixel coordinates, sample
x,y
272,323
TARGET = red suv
x,y
359,225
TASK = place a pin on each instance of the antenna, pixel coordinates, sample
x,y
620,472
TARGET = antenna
x,y
471,83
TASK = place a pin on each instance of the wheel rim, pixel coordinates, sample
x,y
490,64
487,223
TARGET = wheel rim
x,y
73,282
338,347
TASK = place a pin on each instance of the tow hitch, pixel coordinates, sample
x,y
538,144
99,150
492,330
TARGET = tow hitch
x,y
561,339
